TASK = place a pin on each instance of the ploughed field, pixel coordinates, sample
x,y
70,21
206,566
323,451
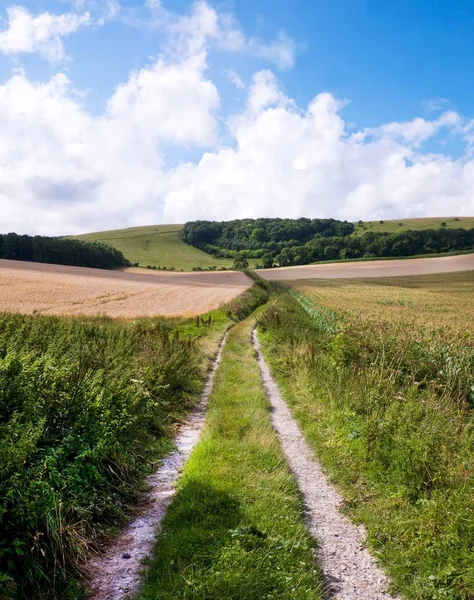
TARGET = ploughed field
x,y
372,268
59,290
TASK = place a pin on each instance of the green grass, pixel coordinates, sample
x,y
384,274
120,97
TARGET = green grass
x,y
385,400
157,246
87,408
393,226
235,528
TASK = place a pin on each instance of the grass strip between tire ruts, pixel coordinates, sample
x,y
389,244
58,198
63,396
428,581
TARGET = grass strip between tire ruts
x,y
235,528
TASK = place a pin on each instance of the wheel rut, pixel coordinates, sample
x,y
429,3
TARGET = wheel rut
x,y
351,573
116,574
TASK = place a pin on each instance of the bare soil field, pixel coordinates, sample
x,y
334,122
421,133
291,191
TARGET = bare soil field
x,y
60,290
376,268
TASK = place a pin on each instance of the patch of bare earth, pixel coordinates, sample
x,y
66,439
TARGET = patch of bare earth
x,y
60,290
115,574
350,571
375,268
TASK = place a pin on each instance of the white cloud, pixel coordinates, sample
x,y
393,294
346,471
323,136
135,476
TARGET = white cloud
x,y
281,51
204,26
43,33
235,79
435,104
63,170
419,130
293,162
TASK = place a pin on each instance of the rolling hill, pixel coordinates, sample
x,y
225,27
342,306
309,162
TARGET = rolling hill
x,y
157,246
162,246
393,226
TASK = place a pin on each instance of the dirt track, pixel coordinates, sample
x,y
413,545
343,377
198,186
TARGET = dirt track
x,y
350,571
375,268
55,289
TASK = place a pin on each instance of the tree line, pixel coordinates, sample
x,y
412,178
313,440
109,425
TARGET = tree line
x,y
252,237
60,251
284,242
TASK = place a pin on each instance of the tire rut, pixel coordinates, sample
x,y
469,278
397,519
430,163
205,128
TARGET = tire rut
x,y
116,574
351,573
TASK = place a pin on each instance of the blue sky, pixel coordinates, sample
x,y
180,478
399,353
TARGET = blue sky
x,y
390,134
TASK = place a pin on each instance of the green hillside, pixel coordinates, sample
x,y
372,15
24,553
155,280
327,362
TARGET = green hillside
x,y
157,246
161,245
424,223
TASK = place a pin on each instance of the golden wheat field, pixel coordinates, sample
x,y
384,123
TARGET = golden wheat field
x,y
432,301
372,268
59,290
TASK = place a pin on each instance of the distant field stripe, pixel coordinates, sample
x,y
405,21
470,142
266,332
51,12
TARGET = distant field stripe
x,y
368,269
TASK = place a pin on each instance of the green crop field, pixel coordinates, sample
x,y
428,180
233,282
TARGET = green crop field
x,y
394,226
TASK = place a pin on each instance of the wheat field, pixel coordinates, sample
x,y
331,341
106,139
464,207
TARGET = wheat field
x,y
58,290
372,268
432,301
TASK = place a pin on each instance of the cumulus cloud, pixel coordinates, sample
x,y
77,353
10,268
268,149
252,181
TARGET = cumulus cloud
x,y
63,170
43,33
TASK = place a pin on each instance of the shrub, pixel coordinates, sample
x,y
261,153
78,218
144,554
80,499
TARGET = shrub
x,y
83,405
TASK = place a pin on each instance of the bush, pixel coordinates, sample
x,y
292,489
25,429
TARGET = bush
x,y
83,405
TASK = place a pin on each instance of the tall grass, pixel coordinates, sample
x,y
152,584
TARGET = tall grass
x,y
85,406
388,408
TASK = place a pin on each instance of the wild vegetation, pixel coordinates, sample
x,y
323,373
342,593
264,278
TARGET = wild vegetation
x,y
380,376
234,529
87,406
285,242
60,251
84,410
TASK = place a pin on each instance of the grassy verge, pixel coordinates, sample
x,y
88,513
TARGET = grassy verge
x,y
388,409
87,407
235,528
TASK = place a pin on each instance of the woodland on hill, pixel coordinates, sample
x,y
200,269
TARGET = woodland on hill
x,y
60,251
283,242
